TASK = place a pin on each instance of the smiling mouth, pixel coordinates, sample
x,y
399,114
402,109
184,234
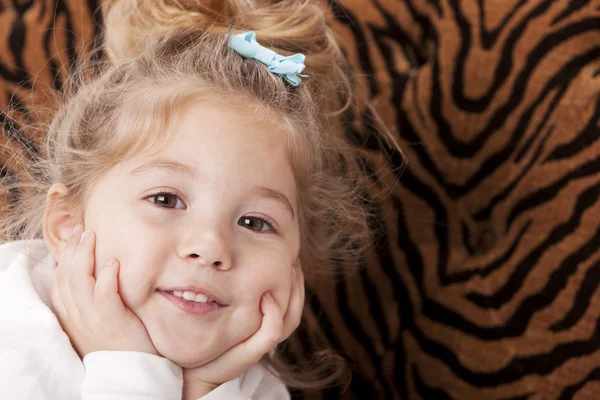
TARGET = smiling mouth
x,y
191,296
191,306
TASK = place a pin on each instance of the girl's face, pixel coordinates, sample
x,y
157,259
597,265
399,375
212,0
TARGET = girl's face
x,y
214,214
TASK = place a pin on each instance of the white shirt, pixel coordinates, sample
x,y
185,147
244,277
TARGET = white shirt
x,y
38,362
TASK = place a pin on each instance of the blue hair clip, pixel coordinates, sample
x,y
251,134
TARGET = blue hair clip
x,y
289,67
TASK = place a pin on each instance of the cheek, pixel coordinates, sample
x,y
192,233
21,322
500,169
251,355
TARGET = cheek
x,y
267,273
121,241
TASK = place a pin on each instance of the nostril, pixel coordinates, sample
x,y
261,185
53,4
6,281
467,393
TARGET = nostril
x,y
218,264
193,255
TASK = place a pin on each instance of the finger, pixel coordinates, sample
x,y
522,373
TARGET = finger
x,y
81,274
69,250
293,315
250,351
57,304
64,267
72,243
106,293
266,337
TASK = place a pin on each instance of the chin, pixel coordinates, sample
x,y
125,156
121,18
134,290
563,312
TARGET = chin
x,y
184,358
183,354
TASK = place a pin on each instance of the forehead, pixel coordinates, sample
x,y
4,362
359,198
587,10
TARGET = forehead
x,y
230,127
228,141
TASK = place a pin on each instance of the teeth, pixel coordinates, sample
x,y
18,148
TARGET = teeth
x,y
200,298
191,296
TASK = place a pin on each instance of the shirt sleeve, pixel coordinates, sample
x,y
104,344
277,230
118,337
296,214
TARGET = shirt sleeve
x,y
255,384
116,375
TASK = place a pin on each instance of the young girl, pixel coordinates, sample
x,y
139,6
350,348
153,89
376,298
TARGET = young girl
x,y
179,198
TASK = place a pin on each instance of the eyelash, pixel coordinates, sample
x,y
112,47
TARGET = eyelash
x,y
163,193
268,221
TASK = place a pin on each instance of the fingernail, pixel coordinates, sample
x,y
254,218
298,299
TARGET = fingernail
x,y
112,262
86,236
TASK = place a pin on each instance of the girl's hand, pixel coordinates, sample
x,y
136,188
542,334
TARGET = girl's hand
x,y
275,328
90,311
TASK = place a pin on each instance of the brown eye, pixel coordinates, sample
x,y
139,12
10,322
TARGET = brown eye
x,y
167,200
255,224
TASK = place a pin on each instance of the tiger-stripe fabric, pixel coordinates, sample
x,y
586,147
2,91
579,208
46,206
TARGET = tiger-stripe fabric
x,y
483,277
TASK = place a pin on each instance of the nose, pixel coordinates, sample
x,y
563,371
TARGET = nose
x,y
206,249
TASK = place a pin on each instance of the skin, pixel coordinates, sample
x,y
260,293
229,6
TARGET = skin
x,y
210,221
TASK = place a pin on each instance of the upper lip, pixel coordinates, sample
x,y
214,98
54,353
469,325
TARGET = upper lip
x,y
196,289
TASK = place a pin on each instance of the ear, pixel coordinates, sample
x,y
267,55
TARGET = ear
x,y
60,217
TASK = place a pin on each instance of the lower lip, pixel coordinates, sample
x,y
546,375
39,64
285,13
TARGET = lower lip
x,y
191,307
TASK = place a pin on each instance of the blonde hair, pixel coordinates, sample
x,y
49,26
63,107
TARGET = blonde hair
x,y
166,53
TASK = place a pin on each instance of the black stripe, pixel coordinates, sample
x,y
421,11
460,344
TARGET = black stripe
x,y
535,56
501,260
375,307
466,239
569,392
498,159
505,64
405,127
580,305
522,397
582,141
353,324
16,74
331,333
437,6
537,364
423,22
485,213
370,138
401,297
344,16
585,200
413,51
570,9
547,194
16,39
426,391
327,328
415,261
487,37
60,8
368,169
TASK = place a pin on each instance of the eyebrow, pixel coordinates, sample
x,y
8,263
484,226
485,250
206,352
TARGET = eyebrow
x,y
184,169
275,195
168,165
